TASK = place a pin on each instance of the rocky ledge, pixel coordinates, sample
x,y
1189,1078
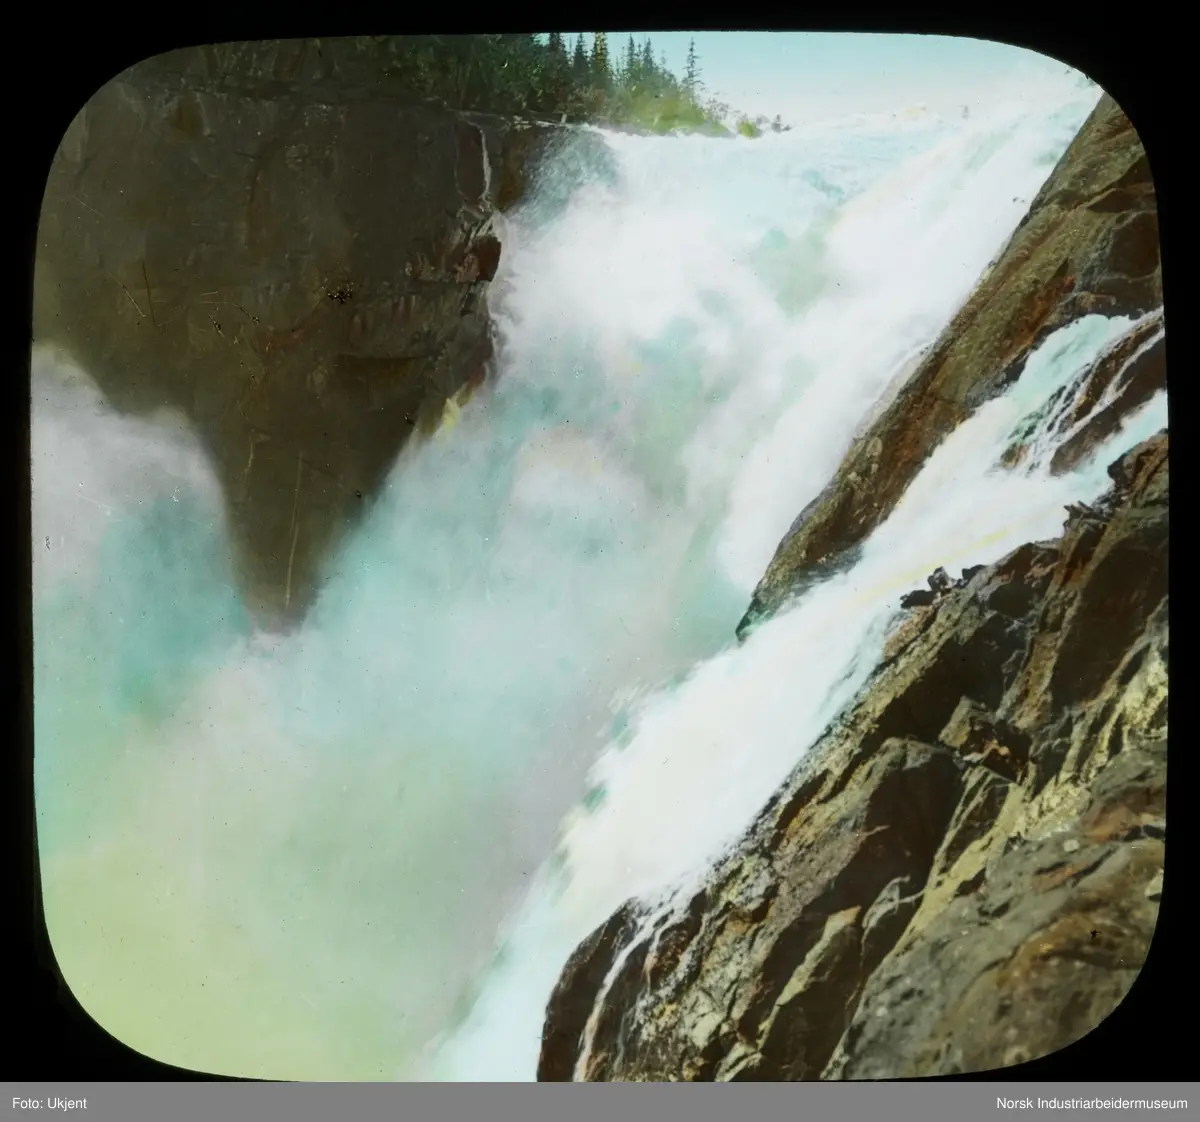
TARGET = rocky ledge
x,y
963,874
271,240
1089,243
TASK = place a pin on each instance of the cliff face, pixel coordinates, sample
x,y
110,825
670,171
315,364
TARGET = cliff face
x,y
965,871
1089,243
967,874
269,240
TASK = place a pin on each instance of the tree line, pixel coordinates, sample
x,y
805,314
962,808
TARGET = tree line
x,y
600,83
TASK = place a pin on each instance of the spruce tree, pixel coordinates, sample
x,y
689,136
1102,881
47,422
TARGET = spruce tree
x,y
600,67
631,63
558,72
691,76
579,63
648,67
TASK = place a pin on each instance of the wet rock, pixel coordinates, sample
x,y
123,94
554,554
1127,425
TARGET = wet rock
x,y
1126,377
787,985
940,580
575,996
965,871
280,242
1087,244
542,164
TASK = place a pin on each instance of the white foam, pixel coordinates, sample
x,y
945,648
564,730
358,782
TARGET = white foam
x,y
706,756
302,851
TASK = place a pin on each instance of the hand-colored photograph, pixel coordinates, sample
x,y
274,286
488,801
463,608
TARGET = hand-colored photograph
x,y
606,557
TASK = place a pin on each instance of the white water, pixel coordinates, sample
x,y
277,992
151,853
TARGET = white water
x,y
291,857
706,756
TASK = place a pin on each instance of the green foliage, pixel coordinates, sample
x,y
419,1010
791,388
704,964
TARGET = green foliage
x,y
521,74
580,69
691,76
601,74
632,69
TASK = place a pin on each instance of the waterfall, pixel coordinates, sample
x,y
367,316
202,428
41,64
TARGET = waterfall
x,y
364,849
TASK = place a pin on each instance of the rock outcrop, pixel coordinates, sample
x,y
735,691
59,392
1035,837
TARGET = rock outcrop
x,y
964,874
1089,243
274,241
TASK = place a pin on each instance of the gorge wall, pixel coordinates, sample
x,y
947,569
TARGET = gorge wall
x,y
965,871
1089,243
273,241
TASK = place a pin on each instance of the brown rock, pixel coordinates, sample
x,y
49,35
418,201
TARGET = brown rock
x,y
1131,373
575,996
979,737
965,871
276,240
1088,243
918,598
807,933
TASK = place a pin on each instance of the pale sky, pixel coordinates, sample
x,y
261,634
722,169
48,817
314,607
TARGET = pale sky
x,y
800,75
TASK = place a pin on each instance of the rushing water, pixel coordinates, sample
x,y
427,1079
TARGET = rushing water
x,y
364,849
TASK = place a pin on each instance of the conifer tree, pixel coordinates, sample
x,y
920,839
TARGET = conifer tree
x,y
631,63
558,72
600,66
691,76
521,73
579,62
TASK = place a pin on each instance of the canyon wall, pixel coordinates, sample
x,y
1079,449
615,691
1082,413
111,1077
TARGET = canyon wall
x,y
284,246
964,873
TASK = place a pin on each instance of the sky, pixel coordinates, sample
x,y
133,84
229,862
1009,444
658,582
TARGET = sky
x,y
801,75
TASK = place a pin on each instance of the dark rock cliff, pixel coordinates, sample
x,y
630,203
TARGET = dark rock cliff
x,y
964,873
270,239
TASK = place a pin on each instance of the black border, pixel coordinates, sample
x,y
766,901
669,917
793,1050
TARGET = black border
x,y
54,1037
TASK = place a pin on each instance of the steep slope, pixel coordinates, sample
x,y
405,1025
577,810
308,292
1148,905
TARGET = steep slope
x,y
1089,243
964,871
